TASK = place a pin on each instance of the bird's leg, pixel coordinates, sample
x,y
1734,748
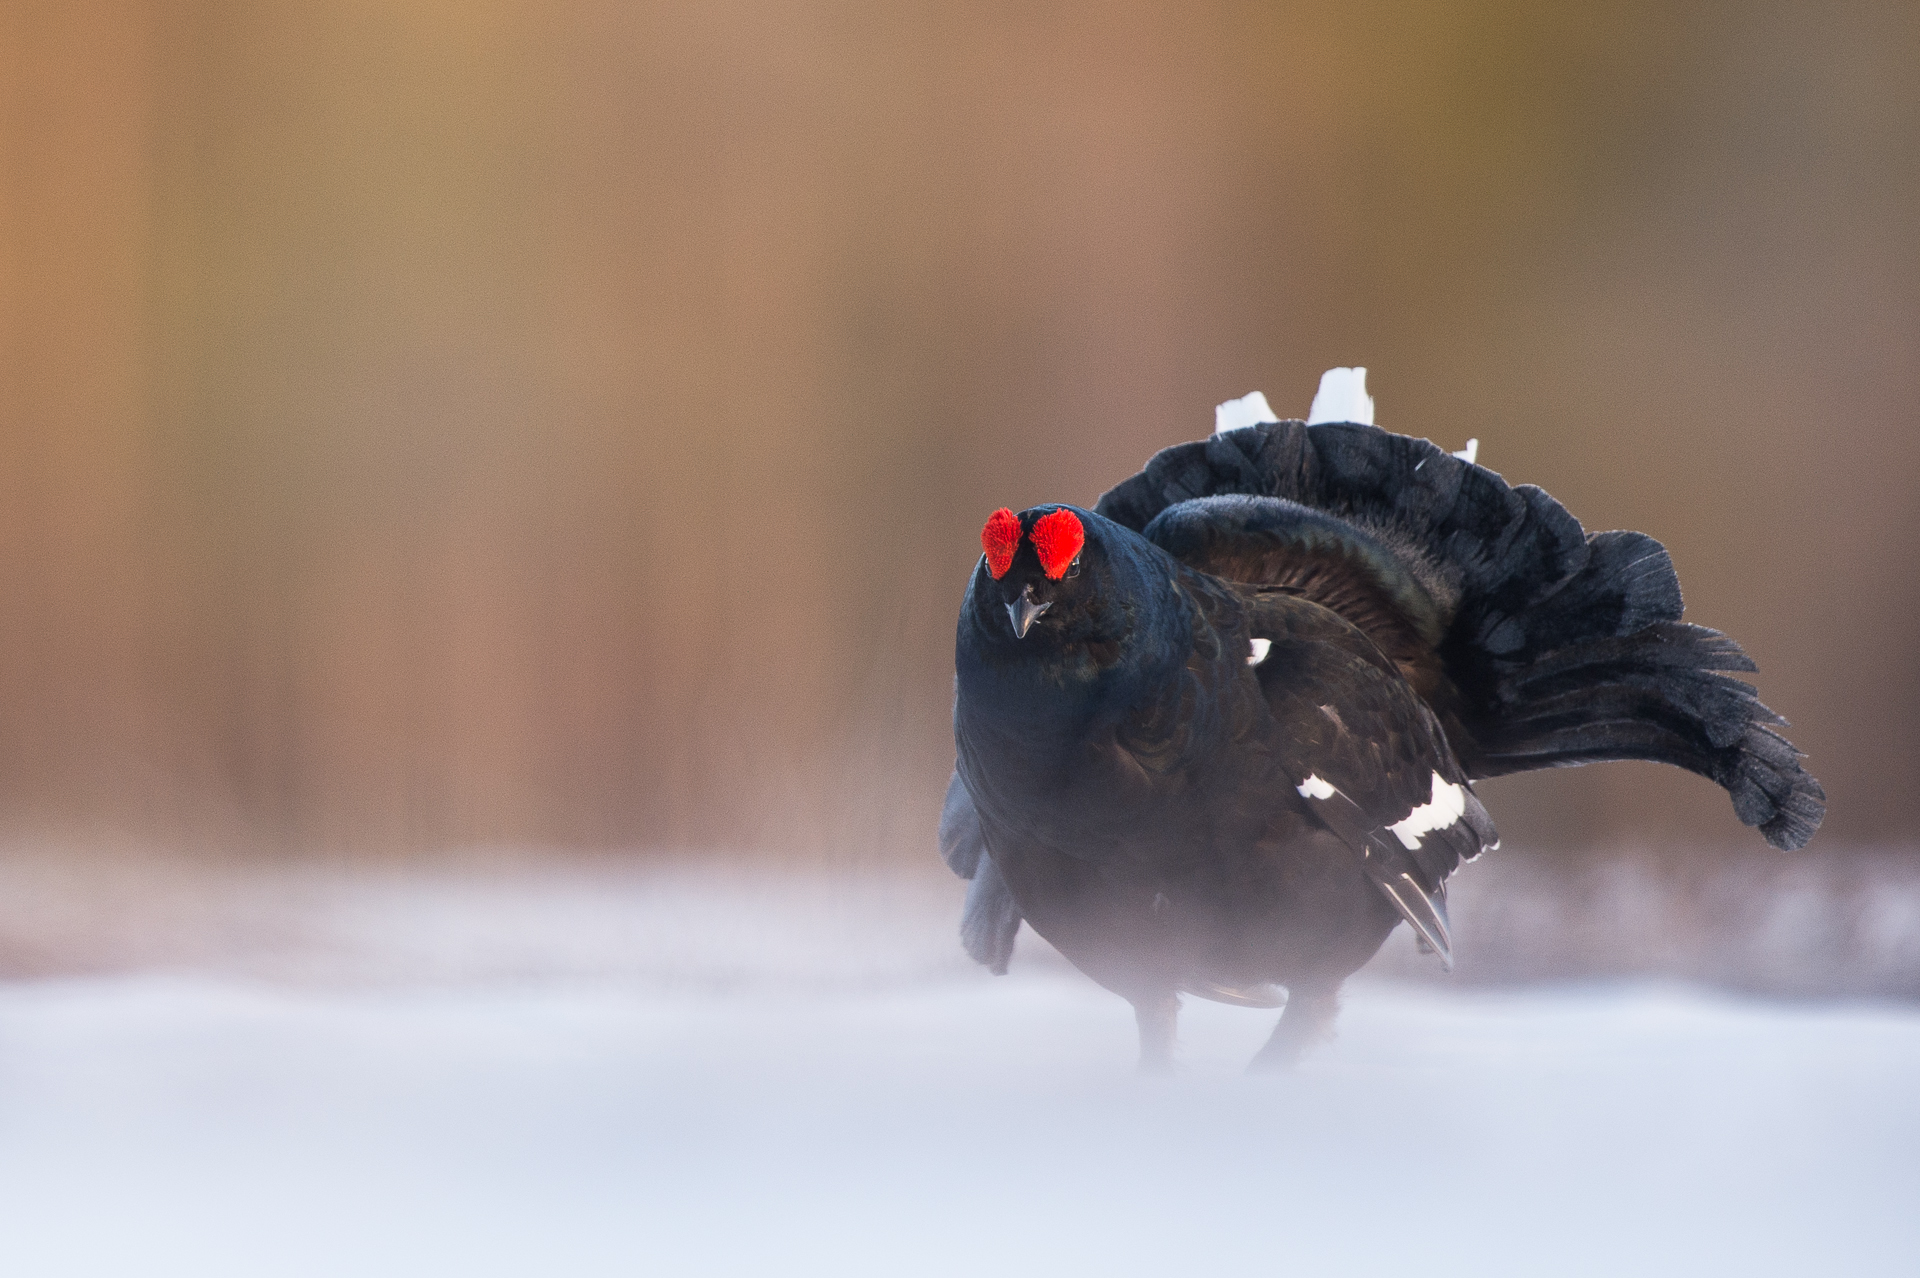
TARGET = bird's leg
x,y
1308,1019
1159,1017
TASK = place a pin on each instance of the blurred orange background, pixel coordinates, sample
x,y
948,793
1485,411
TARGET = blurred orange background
x,y
429,424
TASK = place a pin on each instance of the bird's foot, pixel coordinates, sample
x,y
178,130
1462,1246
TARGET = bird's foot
x,y
1158,1017
1307,1020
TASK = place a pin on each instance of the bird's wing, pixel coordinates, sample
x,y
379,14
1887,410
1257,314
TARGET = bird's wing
x,y
961,842
1367,757
1387,590
991,917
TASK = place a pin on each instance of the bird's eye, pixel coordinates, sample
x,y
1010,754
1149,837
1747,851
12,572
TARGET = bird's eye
x,y
1073,569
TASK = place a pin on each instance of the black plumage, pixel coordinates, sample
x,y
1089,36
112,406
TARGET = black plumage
x,y
1231,747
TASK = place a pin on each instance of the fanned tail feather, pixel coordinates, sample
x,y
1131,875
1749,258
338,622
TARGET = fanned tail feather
x,y
1559,647
1657,695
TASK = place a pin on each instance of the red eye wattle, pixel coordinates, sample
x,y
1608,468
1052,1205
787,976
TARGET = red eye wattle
x,y
1058,538
1000,538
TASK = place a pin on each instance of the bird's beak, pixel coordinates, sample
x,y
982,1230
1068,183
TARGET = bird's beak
x,y
1024,610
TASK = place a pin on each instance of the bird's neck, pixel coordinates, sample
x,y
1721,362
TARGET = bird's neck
x,y
1037,698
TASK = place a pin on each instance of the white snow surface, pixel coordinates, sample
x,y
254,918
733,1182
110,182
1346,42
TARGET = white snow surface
x,y
770,1078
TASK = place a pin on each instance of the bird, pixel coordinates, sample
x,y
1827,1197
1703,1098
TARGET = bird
x,y
1218,734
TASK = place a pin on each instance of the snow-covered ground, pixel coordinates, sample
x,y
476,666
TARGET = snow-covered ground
x,y
758,1076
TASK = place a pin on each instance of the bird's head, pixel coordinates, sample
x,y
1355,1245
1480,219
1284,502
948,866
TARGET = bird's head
x,y
1049,573
1033,561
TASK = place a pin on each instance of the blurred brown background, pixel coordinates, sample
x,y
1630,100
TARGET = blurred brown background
x,y
427,424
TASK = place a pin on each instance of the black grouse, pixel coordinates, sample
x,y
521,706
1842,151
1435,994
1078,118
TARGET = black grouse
x,y
1218,734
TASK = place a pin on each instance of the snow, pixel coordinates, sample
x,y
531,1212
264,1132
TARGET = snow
x,y
169,1126
775,1074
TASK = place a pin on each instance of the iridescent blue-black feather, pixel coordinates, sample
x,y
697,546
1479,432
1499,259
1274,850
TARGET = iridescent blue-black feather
x,y
1557,647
